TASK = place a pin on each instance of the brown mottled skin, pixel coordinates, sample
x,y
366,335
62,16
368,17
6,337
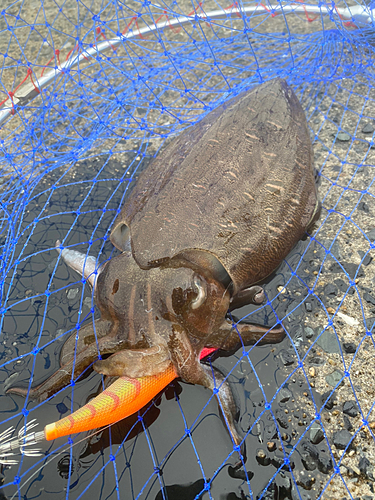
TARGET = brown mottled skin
x,y
215,213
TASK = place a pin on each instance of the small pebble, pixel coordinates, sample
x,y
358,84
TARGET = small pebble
x,y
364,464
62,408
262,457
347,423
312,371
330,289
271,445
343,286
371,234
308,306
343,470
350,268
316,433
350,408
341,439
368,128
327,340
308,461
369,298
306,481
309,332
349,347
281,418
316,360
287,357
278,461
364,207
59,334
328,404
284,395
367,260
334,378
72,293
332,249
343,137
350,472
298,336
87,302
356,470
325,464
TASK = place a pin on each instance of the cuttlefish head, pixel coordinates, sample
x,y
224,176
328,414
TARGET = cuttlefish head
x,y
188,296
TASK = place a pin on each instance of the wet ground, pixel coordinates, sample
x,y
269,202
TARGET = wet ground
x,y
323,370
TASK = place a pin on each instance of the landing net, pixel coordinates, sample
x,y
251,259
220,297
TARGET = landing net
x,y
89,93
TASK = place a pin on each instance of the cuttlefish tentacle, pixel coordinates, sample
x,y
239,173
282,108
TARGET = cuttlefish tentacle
x,y
189,368
213,379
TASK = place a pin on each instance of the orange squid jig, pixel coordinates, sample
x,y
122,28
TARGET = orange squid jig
x,y
121,399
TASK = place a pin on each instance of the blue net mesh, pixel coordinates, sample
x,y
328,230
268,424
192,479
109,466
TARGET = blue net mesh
x,y
89,93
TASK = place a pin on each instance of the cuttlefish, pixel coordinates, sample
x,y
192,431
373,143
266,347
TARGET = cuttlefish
x,y
212,216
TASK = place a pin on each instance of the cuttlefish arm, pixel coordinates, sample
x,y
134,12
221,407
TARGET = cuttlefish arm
x,y
77,354
127,395
120,400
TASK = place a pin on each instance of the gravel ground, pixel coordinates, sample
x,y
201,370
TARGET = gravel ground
x,y
328,328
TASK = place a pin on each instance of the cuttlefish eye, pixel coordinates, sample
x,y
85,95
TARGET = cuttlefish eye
x,y
200,286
